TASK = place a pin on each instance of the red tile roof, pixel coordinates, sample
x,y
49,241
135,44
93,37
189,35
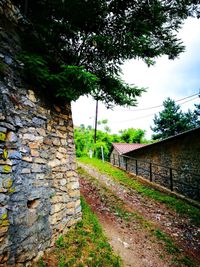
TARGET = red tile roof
x,y
124,147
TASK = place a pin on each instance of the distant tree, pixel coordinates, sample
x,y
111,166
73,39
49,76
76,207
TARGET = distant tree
x,y
76,47
197,110
192,118
132,135
171,121
89,127
107,129
197,114
84,140
82,126
104,123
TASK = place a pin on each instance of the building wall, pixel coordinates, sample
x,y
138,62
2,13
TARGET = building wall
x,y
181,153
114,157
39,188
117,159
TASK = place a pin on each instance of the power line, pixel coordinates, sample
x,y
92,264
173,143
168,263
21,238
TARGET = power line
x,y
188,101
149,115
148,108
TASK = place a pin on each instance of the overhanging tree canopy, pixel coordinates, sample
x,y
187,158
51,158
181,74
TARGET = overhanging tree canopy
x,y
76,47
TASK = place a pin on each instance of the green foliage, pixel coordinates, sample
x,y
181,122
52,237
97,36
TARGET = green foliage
x,y
172,121
197,112
41,263
98,35
178,205
60,242
62,84
84,139
113,91
132,135
102,145
84,245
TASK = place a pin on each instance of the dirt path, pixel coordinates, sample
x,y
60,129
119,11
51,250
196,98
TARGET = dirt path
x,y
129,241
132,240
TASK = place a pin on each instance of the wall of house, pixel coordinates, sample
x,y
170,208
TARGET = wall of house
x,y
39,188
181,153
114,157
117,159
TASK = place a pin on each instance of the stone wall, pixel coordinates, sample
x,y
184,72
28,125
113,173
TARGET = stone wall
x,y
39,188
117,159
180,153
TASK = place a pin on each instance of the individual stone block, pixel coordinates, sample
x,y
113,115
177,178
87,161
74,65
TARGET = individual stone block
x,y
11,137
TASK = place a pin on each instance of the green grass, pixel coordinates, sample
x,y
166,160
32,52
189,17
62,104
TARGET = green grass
x,y
84,245
171,248
169,245
121,176
116,205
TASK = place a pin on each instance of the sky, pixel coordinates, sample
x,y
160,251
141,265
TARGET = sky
x,y
177,79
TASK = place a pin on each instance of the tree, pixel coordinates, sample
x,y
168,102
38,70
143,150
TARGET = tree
x,y
74,48
84,140
197,109
132,135
197,115
192,119
104,123
172,121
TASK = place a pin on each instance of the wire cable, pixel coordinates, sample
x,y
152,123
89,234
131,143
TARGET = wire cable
x,y
148,108
142,117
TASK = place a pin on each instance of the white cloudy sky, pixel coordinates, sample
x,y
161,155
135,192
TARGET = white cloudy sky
x,y
176,79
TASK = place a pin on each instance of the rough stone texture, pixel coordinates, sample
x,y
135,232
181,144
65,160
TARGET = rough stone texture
x,y
39,188
117,159
181,153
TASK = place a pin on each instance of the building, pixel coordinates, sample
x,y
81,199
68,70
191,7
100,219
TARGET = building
x,y
173,162
118,149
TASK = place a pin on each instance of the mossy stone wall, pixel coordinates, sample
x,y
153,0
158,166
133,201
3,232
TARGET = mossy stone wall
x,y
39,187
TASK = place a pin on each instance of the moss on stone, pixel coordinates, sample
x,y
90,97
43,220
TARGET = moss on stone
x,y
4,223
5,154
4,216
2,137
11,190
7,168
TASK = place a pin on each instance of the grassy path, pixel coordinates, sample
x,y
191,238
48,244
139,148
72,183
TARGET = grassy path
x,y
166,221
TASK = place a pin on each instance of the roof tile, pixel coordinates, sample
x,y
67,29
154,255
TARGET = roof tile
x,y
124,147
